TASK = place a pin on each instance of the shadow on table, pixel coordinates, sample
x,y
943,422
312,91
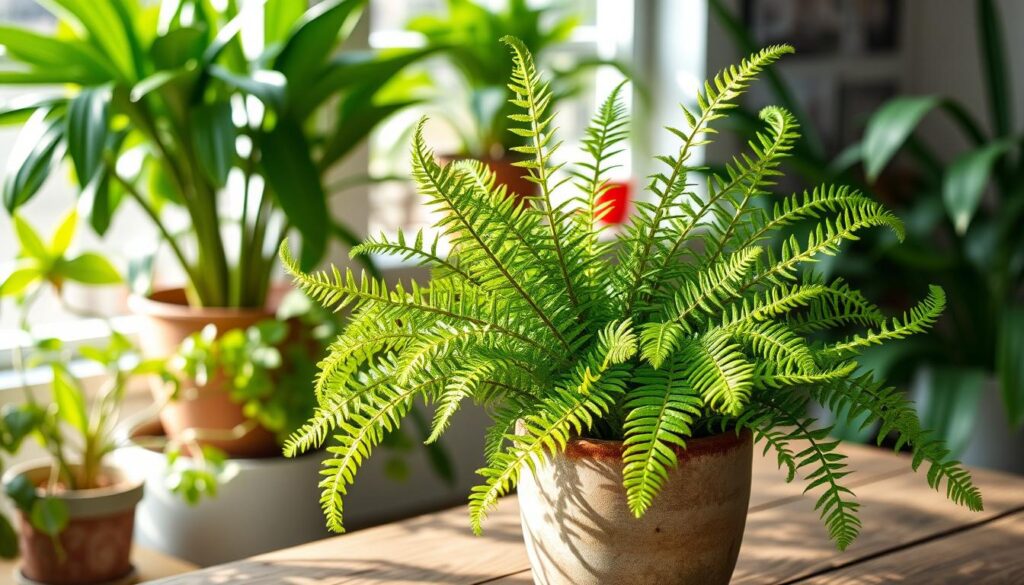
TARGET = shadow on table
x,y
323,571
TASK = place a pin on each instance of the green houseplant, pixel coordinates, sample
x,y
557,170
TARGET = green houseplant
x,y
961,216
464,36
164,106
76,508
689,328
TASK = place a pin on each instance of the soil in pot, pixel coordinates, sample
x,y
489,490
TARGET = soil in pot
x,y
166,321
579,529
95,547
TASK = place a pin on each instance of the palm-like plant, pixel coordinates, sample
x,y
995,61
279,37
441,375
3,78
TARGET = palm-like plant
x,y
160,103
687,324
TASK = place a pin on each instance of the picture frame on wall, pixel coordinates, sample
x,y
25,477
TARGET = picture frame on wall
x,y
818,28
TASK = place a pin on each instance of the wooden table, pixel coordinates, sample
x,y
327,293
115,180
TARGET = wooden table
x,y
911,535
150,564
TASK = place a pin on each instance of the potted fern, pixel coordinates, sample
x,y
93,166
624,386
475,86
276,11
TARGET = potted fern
x,y
626,380
224,146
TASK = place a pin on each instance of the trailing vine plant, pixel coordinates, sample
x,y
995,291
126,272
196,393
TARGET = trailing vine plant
x,y
688,322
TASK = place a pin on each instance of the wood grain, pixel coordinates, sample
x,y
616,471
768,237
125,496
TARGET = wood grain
x,y
986,554
784,541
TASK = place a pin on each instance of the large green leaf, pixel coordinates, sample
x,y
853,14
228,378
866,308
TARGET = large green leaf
x,y
965,182
214,134
89,268
1010,363
37,149
358,117
279,16
268,86
88,121
178,47
98,200
105,28
997,78
68,397
313,39
46,53
951,405
295,181
890,127
364,69
21,108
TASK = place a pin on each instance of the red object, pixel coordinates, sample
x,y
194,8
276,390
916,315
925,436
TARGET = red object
x,y
617,199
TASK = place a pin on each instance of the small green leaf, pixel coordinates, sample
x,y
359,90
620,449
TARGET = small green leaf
x,y
89,268
49,516
19,280
8,539
22,492
890,127
32,245
68,397
1010,363
65,233
20,421
965,182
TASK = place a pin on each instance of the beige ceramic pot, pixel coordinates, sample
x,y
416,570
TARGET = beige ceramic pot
x,y
166,321
97,541
579,530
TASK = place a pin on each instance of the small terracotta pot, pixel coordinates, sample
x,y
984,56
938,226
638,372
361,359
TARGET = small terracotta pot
x,y
166,321
505,171
97,541
579,530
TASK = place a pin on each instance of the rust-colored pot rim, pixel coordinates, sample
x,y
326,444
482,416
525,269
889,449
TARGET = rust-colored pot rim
x,y
123,494
696,447
172,303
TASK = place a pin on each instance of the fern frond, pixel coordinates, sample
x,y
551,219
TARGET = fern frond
x,y
917,320
660,414
866,395
776,345
827,470
719,372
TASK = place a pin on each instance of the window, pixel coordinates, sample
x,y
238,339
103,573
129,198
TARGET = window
x,y
605,32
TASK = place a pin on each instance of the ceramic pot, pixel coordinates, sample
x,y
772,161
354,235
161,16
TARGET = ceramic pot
x,y
579,530
166,320
97,541
505,171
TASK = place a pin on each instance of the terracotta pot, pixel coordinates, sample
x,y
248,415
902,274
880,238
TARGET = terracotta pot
x,y
166,321
97,541
506,173
579,530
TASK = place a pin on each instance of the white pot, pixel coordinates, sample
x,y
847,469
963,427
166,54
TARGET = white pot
x,y
266,504
273,503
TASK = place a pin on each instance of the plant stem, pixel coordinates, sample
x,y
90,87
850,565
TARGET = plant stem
x,y
155,218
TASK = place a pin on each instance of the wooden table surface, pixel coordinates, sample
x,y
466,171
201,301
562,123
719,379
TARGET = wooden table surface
x,y
911,534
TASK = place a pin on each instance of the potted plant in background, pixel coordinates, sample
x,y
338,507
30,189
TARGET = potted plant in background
x,y
225,144
165,106
962,220
626,380
75,508
480,113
